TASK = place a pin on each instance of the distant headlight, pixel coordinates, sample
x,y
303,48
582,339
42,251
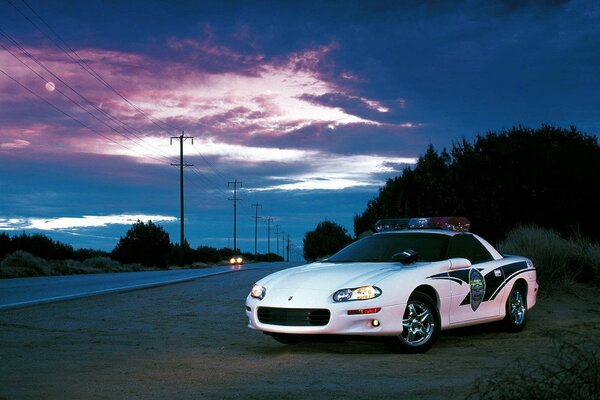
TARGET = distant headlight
x,y
258,292
360,293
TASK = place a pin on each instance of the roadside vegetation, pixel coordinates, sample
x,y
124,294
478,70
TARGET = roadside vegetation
x,y
545,177
572,373
561,262
146,246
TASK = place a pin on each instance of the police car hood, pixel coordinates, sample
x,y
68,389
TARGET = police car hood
x,y
333,276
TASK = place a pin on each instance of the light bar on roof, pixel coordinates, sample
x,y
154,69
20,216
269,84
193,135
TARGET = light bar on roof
x,y
457,224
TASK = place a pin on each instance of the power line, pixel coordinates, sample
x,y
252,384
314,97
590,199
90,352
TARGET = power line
x,y
66,113
70,99
81,62
101,116
72,54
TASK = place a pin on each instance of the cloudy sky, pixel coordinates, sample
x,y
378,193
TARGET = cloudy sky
x,y
312,105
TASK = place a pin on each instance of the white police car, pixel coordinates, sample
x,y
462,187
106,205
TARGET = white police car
x,y
409,281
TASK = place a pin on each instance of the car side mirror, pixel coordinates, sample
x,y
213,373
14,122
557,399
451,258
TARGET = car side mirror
x,y
459,263
406,257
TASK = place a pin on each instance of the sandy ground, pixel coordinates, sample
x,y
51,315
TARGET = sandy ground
x,y
190,341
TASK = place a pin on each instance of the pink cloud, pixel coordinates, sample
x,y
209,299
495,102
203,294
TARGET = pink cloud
x,y
15,144
274,100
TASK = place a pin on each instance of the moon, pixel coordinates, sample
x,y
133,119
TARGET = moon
x,y
50,86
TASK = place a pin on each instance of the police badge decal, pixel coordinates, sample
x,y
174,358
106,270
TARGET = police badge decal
x,y
477,284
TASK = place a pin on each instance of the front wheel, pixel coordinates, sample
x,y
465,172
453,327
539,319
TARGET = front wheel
x,y
516,309
420,326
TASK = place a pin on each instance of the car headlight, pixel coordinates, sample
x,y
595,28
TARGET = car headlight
x,y
359,293
258,292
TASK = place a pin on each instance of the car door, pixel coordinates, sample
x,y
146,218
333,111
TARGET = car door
x,y
471,286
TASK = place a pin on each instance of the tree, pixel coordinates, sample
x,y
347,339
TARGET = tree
x,y
5,244
327,238
422,191
545,176
147,244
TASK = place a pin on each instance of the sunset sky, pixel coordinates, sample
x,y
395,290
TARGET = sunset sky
x,y
312,105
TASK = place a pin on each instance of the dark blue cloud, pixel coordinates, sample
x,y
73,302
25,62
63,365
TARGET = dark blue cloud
x,y
442,69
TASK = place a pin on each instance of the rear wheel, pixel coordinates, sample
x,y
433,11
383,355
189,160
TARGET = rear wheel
x,y
420,326
516,309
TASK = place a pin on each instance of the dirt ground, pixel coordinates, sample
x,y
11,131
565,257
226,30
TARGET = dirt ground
x,y
190,341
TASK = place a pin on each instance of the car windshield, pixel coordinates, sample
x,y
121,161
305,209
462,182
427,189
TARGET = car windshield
x,y
382,247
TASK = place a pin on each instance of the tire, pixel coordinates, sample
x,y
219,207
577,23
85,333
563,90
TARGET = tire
x,y
286,338
516,309
420,326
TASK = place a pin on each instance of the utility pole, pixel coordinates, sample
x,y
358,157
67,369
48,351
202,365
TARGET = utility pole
x,y
235,184
283,245
269,219
288,248
277,235
181,139
256,226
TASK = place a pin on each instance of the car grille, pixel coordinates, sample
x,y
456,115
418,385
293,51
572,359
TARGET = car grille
x,y
293,316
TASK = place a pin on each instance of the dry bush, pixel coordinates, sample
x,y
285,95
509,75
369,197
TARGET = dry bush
x,y
101,264
572,374
21,264
560,262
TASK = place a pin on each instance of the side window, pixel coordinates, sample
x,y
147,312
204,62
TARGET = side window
x,y
467,246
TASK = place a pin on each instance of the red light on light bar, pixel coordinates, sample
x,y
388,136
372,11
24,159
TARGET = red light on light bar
x,y
364,311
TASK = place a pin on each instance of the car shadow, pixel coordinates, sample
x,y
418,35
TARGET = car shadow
x,y
331,344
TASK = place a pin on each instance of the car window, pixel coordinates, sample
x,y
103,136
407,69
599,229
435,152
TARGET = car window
x,y
467,246
381,247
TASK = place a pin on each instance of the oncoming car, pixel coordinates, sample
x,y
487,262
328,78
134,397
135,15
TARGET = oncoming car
x,y
406,283
236,260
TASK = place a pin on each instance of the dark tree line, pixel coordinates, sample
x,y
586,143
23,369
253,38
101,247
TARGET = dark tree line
x,y
147,244
44,247
546,176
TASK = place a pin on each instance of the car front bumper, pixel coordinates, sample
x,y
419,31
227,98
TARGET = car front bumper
x,y
344,318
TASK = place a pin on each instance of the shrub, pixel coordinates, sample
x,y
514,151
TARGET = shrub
x,y
573,374
207,254
21,263
101,264
559,261
65,267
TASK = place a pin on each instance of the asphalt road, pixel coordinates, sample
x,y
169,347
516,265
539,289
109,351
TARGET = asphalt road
x,y
22,292
190,340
